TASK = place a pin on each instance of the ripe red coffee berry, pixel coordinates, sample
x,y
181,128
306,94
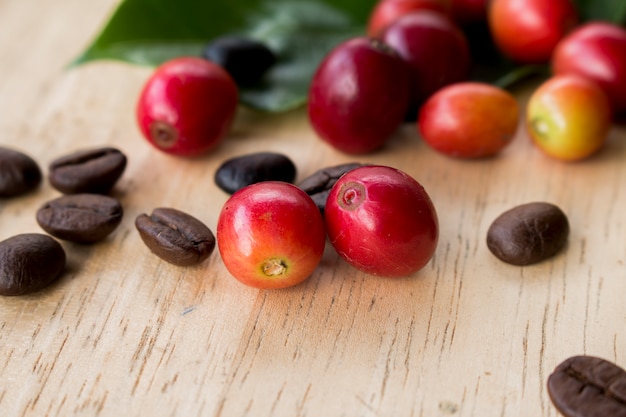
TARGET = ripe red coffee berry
x,y
381,221
187,106
527,31
435,48
596,51
385,12
359,95
270,235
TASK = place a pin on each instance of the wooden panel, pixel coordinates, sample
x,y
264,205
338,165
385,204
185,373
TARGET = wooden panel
x,y
124,333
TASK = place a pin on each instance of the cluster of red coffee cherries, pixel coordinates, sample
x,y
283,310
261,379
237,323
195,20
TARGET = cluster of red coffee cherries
x,y
416,62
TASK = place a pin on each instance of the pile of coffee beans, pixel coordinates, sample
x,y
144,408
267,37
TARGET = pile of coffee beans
x,y
82,214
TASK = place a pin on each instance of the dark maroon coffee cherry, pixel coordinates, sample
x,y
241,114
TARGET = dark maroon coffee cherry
x,y
359,95
436,50
246,60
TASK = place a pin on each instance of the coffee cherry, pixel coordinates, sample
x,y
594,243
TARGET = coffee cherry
x,y
187,106
381,221
385,12
359,95
596,51
469,120
270,235
435,48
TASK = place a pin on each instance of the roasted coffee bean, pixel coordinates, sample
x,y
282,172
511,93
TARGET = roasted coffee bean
x,y
588,386
29,262
87,171
528,233
236,173
19,173
80,218
246,60
318,184
175,236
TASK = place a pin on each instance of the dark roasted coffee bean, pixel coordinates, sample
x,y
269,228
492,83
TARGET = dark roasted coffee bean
x,y
80,218
19,173
246,60
240,171
29,262
318,184
87,171
528,233
587,386
175,236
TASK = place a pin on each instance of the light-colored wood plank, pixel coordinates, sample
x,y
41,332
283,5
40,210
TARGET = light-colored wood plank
x,y
124,333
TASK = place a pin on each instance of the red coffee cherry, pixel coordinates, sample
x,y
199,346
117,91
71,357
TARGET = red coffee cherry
x,y
187,106
382,221
359,95
270,235
597,51
385,12
435,48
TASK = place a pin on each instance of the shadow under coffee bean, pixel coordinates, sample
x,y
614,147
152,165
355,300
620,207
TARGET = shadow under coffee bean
x,y
29,262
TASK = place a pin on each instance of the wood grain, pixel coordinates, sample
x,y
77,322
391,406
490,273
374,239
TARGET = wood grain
x,y
124,333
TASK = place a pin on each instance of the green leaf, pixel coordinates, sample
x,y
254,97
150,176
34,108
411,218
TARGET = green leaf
x,y
608,10
149,32
301,33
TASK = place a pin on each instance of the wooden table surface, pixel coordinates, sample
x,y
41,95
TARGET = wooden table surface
x,y
123,333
